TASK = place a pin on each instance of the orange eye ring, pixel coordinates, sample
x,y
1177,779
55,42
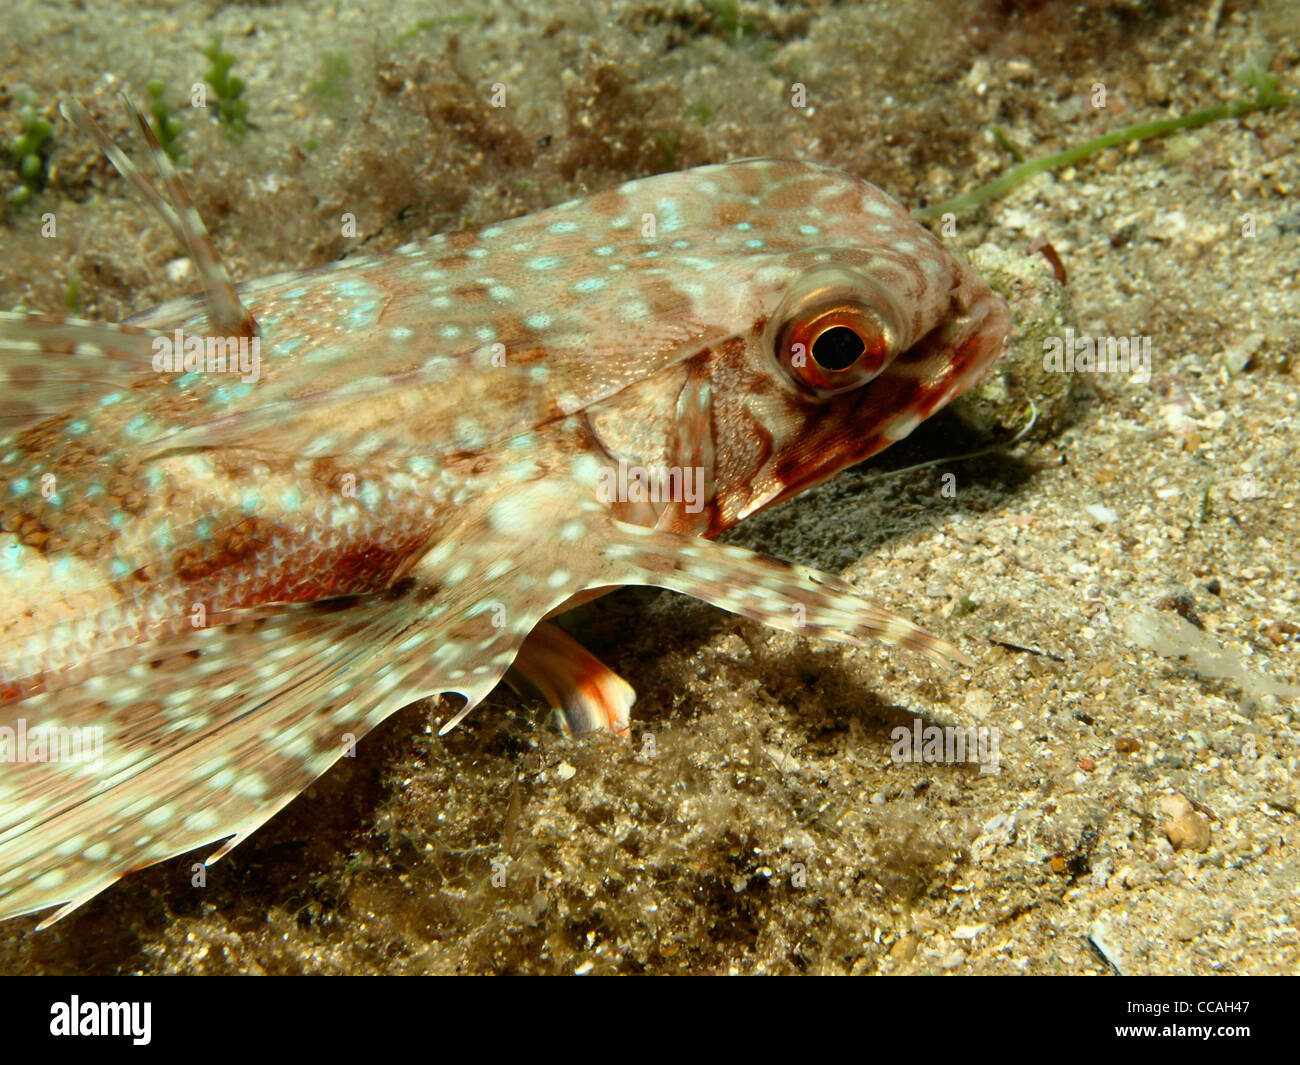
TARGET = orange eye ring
x,y
834,348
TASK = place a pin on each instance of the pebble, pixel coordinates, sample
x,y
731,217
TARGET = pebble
x,y
1183,825
978,703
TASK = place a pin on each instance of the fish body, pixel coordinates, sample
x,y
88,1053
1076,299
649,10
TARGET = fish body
x,y
238,532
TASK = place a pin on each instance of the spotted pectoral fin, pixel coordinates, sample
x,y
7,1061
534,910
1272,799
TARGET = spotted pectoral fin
x,y
794,598
207,734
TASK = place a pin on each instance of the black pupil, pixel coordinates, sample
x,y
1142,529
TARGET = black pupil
x,y
838,348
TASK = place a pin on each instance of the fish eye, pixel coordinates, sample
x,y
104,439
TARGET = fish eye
x,y
833,348
835,328
837,348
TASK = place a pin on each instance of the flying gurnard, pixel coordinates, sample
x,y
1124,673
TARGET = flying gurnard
x,y
238,531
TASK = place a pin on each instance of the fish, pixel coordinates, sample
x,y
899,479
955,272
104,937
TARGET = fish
x,y
239,530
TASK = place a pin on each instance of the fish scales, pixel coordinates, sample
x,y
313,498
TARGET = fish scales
x,y
232,577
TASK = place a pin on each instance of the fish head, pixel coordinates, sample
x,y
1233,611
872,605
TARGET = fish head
x,y
842,344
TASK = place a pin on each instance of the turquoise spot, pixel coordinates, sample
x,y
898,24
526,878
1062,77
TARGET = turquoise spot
x,y
519,471
110,399
544,262
538,320
251,502
668,216
489,232
449,331
203,529
562,227
355,289
651,253
117,520
294,294
21,486
809,231
288,347
94,490
363,316
119,568
485,332
744,226
603,250
590,284
230,393
468,433
476,253
755,243
681,244
290,499
401,332
538,373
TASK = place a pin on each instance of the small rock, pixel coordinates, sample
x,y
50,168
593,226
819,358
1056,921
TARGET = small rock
x,y
978,703
1181,601
1237,357
178,270
1280,631
1101,936
1185,828
904,948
